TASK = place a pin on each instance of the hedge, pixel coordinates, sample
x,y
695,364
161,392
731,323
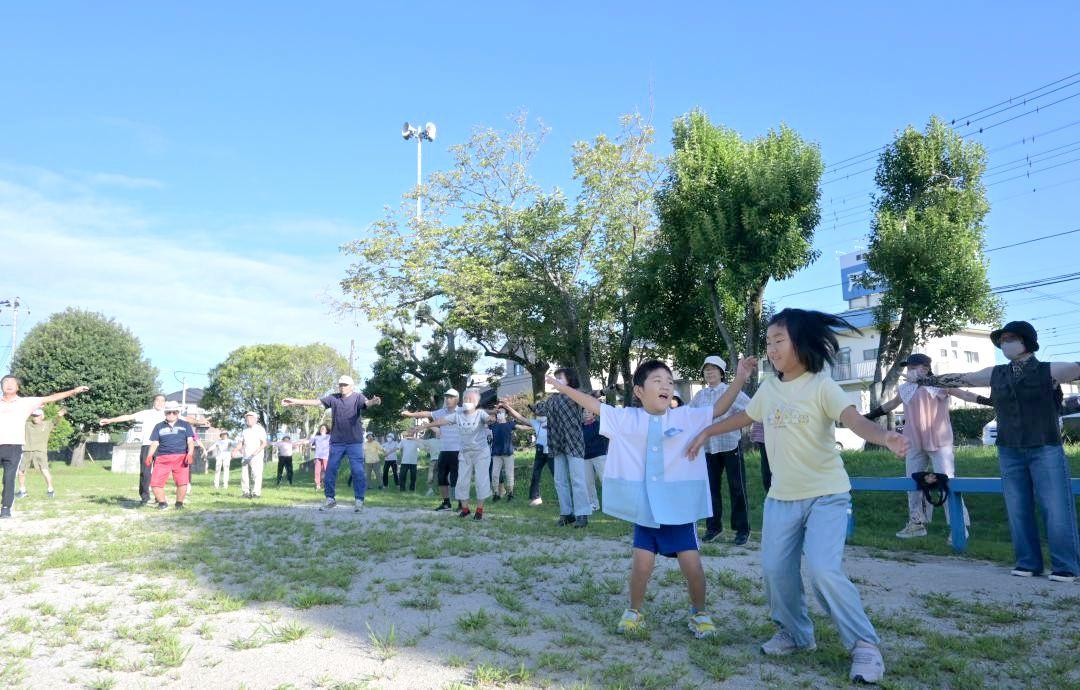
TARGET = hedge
x,y
968,422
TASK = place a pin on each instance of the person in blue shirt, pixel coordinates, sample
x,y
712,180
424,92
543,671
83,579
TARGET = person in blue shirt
x,y
172,448
502,453
648,481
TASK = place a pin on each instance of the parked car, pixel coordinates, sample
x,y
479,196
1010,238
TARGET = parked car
x,y
1069,425
989,434
846,439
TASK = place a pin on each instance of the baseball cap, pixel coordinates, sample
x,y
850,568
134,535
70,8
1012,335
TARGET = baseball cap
x,y
346,381
172,406
38,413
917,359
715,361
250,414
451,393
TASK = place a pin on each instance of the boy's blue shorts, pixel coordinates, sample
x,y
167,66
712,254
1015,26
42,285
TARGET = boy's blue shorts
x,y
666,540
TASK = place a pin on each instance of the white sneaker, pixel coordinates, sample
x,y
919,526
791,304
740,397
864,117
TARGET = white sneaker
x,y
867,665
358,505
783,644
1062,576
912,529
536,502
329,505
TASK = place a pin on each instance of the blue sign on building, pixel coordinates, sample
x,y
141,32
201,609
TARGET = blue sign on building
x,y
849,279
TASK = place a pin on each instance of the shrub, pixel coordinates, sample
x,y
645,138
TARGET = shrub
x,y
968,422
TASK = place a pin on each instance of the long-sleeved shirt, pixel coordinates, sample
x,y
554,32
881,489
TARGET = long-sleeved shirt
x,y
564,425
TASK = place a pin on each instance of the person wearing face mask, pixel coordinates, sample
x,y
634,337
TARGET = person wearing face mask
x,y
1026,396
928,429
502,453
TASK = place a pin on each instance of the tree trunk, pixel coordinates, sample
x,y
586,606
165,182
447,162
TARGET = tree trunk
x,y
78,453
718,319
753,326
537,371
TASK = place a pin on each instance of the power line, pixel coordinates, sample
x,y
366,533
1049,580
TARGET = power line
x,y
969,121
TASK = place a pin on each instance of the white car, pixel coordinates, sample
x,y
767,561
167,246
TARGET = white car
x,y
989,435
846,439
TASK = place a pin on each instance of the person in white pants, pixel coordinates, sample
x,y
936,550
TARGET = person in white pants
x,y
252,444
222,450
928,429
475,456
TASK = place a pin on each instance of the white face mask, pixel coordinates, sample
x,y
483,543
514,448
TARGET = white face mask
x,y
501,416
469,406
1012,349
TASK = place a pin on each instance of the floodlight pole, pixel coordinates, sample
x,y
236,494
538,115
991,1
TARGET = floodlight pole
x,y
419,179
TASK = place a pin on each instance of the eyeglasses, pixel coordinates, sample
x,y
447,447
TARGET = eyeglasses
x,y
172,412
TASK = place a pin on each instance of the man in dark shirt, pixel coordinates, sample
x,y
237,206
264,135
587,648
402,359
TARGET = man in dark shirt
x,y
346,437
172,447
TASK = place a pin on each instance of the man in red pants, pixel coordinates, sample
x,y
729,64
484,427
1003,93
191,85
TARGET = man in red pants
x,y
172,447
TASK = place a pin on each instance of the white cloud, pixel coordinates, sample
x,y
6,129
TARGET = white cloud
x,y
123,181
190,301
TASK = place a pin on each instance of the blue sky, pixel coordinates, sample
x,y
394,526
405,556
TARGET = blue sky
x,y
192,168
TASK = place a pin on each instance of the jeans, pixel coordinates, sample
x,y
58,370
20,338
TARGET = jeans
x,y
594,472
388,467
717,463
145,469
10,457
284,464
570,485
539,461
408,471
355,451
813,528
943,462
1040,475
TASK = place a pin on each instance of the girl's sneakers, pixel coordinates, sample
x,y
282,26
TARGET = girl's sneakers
x,y
701,624
631,622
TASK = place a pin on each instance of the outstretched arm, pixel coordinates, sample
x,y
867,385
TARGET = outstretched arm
x,y
64,395
512,412
742,374
416,415
873,433
884,408
583,399
974,379
735,421
434,423
298,402
1065,372
969,396
116,420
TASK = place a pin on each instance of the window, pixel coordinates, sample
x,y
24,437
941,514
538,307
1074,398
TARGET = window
x,y
869,355
952,344
972,357
954,355
944,353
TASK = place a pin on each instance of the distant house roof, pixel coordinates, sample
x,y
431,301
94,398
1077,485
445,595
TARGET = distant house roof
x,y
194,396
859,318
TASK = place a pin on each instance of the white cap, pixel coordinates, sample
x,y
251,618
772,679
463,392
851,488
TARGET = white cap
x,y
716,361
38,413
172,406
451,393
250,414
346,381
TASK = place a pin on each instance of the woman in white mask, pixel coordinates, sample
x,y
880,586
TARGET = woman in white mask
x,y
1034,472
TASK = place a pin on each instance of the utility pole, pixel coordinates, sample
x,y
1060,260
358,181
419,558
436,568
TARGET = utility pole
x,y
352,353
14,304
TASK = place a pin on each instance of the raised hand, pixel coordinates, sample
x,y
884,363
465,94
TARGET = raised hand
x,y
374,400
81,389
746,367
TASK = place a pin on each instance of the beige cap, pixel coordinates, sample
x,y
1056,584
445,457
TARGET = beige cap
x,y
346,381
716,361
451,393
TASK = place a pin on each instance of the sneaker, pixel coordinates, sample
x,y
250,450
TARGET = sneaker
x,y
144,502
866,664
445,505
701,624
245,495
783,644
430,492
536,502
911,530
5,513
631,622
329,505
21,494
509,496
162,506
464,512
479,514
595,507
565,520
741,538
1023,572
495,498
358,505
1062,576
710,536
179,505
581,521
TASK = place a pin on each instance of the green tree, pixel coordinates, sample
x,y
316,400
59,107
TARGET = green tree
x,y
74,348
926,245
735,214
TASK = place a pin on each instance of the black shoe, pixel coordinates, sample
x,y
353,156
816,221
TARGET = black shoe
x,y
710,536
179,505
495,498
509,496
581,521
445,505
163,506
741,538
478,515
464,512
5,512
144,502
565,520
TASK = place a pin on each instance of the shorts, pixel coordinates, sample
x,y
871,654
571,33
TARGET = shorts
x,y
666,540
164,465
35,460
448,467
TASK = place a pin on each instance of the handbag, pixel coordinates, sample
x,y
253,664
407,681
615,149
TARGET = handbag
x,y
933,485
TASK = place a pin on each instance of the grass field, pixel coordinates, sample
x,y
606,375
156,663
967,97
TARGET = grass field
x,y
236,593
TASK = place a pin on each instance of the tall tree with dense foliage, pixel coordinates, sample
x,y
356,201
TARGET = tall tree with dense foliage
x,y
76,347
735,214
926,245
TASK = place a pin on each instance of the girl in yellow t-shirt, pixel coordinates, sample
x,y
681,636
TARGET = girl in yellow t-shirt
x,y
807,505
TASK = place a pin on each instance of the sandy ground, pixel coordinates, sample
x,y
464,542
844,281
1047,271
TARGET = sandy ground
x,y
563,636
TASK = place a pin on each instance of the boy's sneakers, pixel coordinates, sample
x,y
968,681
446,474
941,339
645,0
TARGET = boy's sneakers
x,y
1023,572
464,512
358,505
1062,576
445,505
631,622
701,624
565,520
783,644
581,521
162,506
867,665
329,505
911,530
479,514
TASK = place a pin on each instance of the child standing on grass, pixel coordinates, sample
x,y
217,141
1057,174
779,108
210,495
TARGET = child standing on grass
x,y
648,481
410,451
475,455
806,511
320,443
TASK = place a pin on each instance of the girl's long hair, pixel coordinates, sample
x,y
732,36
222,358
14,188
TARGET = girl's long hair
x,y
813,335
